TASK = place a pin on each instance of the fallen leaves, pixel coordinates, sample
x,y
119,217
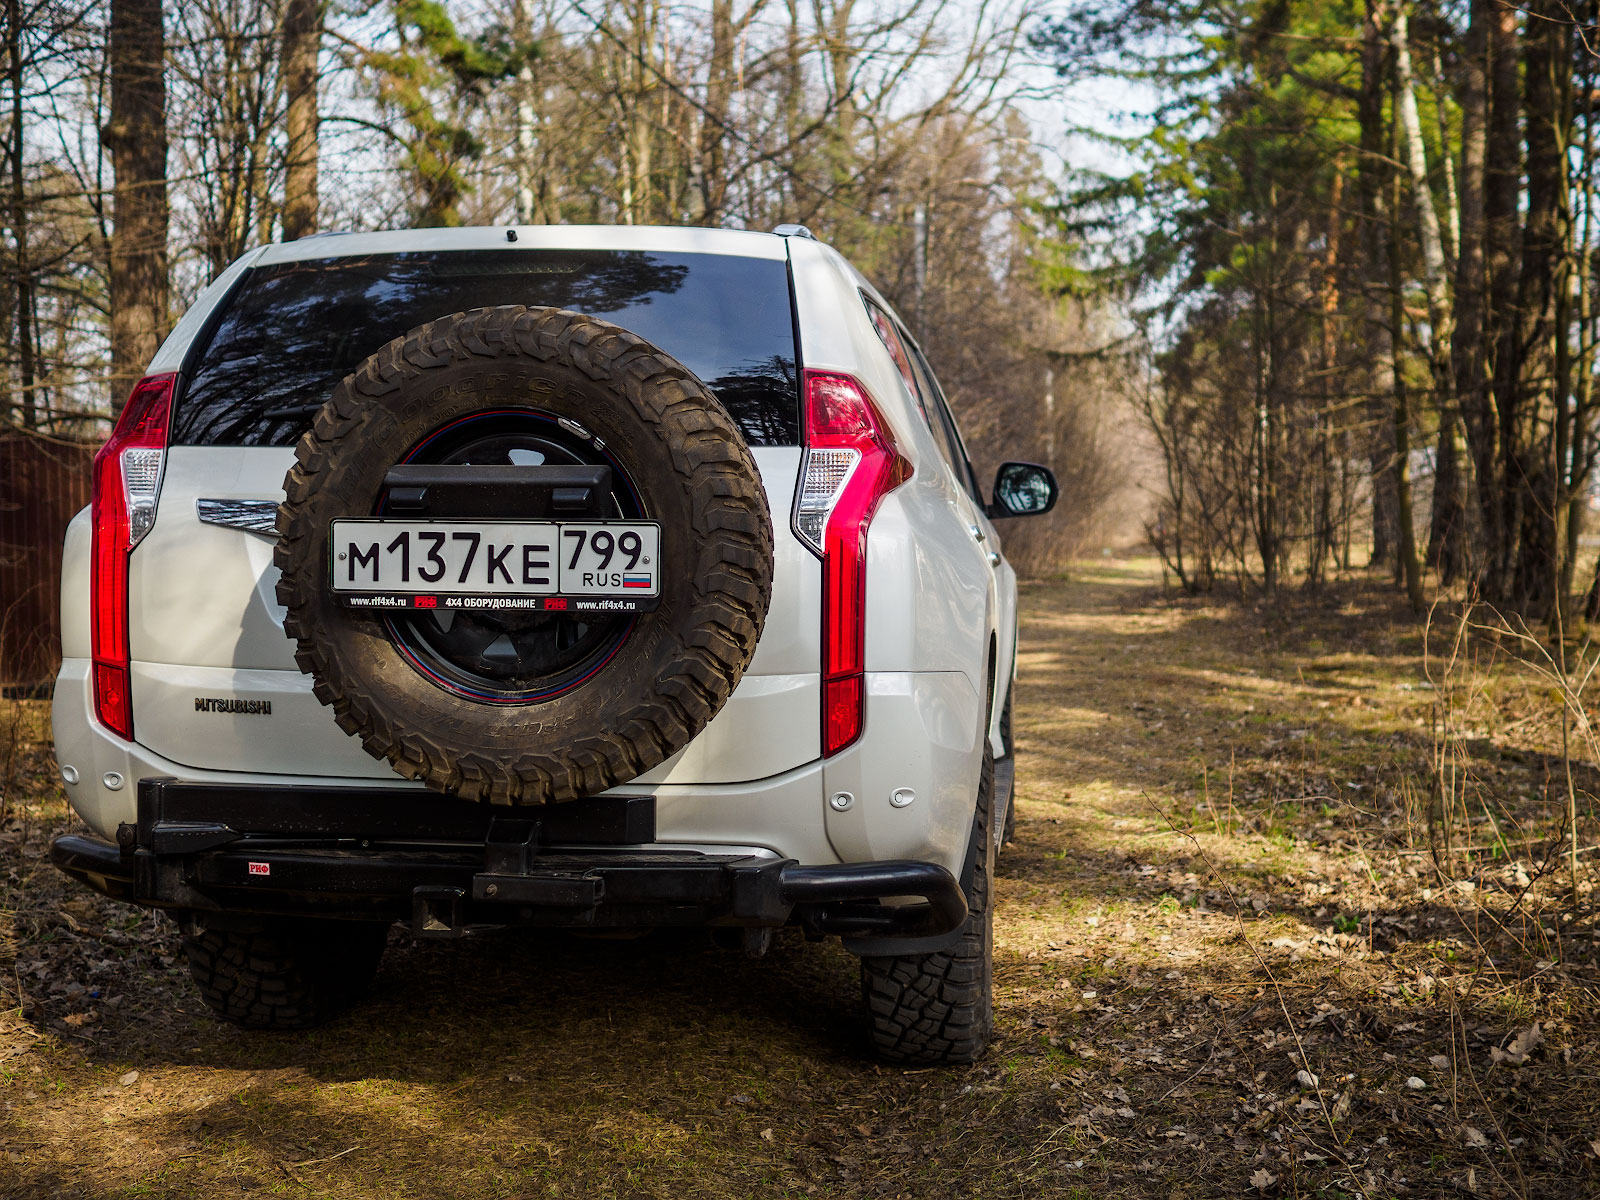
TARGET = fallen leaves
x,y
1341,1106
1113,1064
1522,1045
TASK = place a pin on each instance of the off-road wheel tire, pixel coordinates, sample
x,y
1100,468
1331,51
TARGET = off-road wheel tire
x,y
687,458
284,974
937,1009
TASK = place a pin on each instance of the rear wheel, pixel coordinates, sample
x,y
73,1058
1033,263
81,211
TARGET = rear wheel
x,y
934,1009
284,974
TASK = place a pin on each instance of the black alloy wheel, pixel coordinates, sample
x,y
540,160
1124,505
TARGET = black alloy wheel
x,y
512,656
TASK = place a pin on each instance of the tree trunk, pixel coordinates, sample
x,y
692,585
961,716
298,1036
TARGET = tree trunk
x,y
27,405
1542,301
1322,527
1502,184
713,154
1415,158
136,138
1264,442
641,129
1468,352
839,50
1452,197
302,42
1410,568
1580,463
1375,281
1449,503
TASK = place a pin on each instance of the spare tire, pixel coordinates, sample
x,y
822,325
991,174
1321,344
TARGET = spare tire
x,y
541,707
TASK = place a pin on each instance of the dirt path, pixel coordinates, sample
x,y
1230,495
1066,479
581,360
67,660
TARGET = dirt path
x,y
1201,991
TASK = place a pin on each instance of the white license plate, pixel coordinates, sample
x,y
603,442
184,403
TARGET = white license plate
x,y
536,565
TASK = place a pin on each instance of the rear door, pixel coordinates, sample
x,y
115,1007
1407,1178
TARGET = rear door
x,y
961,485
215,684
955,456
982,528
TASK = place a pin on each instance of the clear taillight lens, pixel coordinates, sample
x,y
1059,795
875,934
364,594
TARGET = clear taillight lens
x,y
851,462
821,481
141,482
127,481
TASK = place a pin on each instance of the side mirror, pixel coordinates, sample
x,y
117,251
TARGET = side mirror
x,y
1023,490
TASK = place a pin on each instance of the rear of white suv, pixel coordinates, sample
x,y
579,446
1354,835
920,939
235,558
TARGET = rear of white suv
x,y
845,783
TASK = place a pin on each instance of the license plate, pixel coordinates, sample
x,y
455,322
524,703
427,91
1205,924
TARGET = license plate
x,y
540,566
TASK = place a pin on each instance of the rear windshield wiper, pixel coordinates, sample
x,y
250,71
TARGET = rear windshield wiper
x,y
293,410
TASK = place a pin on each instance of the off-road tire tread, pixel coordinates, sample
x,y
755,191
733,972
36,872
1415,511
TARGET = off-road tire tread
x,y
284,974
732,578
937,1009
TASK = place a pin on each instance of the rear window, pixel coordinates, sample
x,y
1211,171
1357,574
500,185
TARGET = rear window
x,y
292,331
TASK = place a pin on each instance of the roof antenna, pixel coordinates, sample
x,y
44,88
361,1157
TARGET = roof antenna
x,y
511,235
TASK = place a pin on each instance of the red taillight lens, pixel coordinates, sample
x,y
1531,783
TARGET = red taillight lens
x,y
842,715
851,463
127,475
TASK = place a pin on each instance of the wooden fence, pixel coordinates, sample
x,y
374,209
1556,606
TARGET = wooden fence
x,y
43,482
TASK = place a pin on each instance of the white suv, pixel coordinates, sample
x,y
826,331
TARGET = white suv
x,y
581,577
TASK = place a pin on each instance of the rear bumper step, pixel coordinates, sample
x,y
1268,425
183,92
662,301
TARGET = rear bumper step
x,y
449,867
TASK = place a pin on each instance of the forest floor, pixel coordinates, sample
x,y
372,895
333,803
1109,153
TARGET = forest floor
x,y
1227,964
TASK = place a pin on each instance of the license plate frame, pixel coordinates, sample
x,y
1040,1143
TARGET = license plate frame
x,y
494,565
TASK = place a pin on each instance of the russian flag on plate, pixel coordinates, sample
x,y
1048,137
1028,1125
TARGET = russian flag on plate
x,y
636,581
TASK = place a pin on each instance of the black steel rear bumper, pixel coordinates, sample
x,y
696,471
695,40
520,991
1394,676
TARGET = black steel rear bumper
x,y
448,867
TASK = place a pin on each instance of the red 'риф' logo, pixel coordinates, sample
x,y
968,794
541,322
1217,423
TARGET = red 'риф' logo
x,y
261,868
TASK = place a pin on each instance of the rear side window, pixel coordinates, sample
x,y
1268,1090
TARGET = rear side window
x,y
944,423
890,337
918,380
292,331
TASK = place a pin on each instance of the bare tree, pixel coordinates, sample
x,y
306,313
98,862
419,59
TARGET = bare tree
x,y
136,138
227,104
302,43
1449,502
22,269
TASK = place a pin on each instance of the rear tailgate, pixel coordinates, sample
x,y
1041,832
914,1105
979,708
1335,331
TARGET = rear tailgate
x,y
215,685
214,681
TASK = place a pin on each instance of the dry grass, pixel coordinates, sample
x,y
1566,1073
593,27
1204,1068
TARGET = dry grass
x,y
1227,958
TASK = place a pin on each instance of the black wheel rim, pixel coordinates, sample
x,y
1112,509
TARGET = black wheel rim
x,y
505,656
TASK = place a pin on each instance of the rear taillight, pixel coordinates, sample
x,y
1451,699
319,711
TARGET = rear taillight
x,y
127,479
851,463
